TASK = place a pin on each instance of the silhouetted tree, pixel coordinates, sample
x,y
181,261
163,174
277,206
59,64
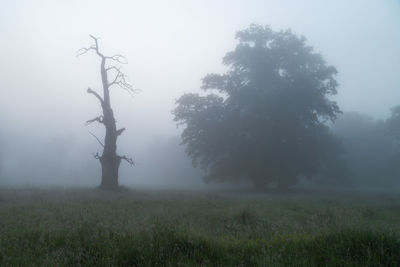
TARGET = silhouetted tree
x,y
109,159
266,121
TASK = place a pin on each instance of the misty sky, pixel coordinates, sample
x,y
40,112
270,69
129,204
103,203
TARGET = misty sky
x,y
170,46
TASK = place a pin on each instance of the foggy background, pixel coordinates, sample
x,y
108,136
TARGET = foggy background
x,y
170,46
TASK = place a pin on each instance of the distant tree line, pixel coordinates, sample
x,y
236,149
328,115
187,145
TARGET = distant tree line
x,y
372,150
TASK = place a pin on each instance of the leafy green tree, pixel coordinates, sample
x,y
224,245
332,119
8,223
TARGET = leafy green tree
x,y
264,119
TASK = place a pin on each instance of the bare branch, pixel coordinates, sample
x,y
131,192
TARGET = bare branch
x,y
97,46
90,91
120,80
98,140
95,39
84,50
119,132
120,77
97,156
129,160
117,76
99,119
94,47
118,58
113,68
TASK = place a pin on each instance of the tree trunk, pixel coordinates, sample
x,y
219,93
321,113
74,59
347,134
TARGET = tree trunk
x,y
109,172
109,160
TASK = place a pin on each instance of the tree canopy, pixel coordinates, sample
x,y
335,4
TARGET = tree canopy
x,y
265,118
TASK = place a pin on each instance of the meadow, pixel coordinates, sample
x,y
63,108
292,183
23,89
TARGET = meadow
x,y
89,227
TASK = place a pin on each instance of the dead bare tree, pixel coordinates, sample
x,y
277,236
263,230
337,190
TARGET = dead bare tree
x,y
109,159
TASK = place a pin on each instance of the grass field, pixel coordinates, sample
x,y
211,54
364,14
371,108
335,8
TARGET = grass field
x,y
87,227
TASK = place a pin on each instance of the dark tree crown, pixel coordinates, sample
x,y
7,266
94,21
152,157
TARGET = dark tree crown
x,y
264,118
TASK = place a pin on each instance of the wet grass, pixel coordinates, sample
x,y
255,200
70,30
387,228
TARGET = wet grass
x,y
87,227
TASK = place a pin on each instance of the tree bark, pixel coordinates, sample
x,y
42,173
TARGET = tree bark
x,y
109,172
110,161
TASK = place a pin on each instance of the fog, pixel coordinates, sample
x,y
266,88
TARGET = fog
x,y
170,47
